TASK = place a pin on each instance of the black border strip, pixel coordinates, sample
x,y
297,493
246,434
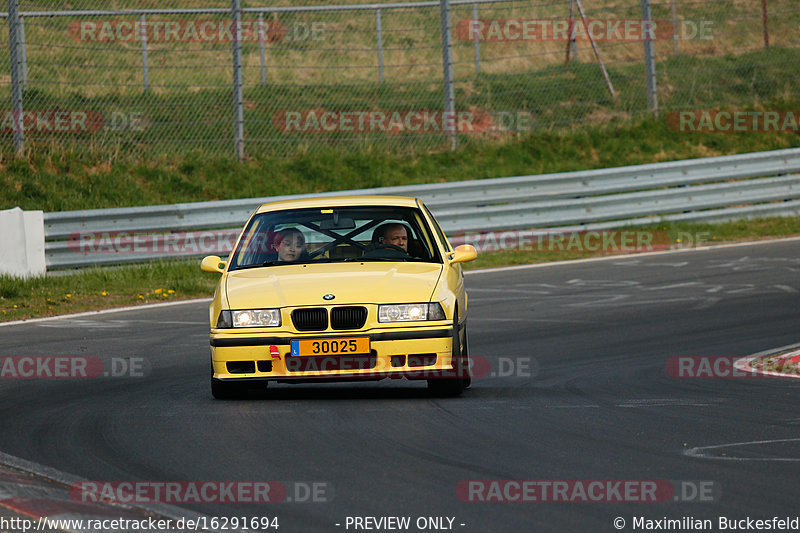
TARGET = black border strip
x,y
409,335
398,336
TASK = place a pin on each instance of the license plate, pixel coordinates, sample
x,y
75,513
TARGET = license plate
x,y
341,346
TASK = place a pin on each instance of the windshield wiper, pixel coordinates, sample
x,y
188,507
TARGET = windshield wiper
x,y
245,267
367,259
255,265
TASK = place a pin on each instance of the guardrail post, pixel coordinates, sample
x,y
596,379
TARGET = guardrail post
x,y
379,37
16,78
143,37
23,243
650,60
447,66
238,96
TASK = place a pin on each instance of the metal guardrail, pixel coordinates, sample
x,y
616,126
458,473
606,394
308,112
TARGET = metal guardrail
x,y
708,189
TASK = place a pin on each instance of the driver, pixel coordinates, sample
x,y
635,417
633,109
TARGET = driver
x,y
395,234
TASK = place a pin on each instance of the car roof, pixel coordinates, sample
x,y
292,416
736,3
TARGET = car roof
x,y
339,201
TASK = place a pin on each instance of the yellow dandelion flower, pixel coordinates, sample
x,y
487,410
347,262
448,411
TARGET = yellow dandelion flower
x,y
158,291
171,291
104,293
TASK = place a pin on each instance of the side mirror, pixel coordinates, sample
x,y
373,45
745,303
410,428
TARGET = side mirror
x,y
213,263
463,253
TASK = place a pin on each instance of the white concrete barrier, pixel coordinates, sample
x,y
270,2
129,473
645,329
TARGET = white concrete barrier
x,y
22,243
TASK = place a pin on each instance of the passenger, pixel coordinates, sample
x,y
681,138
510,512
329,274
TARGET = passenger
x,y
290,243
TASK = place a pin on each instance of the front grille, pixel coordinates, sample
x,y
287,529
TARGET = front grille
x,y
315,319
348,317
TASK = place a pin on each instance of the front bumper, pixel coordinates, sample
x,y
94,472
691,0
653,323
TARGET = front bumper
x,y
412,353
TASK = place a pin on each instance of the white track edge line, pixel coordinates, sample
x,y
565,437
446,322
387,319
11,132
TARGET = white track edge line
x,y
103,311
632,255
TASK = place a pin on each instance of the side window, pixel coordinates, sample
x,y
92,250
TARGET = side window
x,y
256,244
438,230
423,239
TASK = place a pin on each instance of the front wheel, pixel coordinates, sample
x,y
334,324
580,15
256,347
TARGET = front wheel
x,y
455,381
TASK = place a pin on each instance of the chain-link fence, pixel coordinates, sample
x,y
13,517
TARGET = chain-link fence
x,y
144,77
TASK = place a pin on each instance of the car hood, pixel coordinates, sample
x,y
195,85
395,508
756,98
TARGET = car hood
x,y
350,283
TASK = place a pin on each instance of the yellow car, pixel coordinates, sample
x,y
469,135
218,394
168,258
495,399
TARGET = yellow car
x,y
340,288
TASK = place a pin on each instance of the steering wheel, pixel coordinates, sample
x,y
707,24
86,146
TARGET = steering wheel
x,y
393,247
388,251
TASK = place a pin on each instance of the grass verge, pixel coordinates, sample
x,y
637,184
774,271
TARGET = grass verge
x,y
102,288
61,180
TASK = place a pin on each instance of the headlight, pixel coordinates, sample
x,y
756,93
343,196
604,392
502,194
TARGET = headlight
x,y
249,318
410,312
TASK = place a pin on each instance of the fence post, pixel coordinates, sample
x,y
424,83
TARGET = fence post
x,y
447,66
764,16
596,50
674,29
572,46
23,52
261,48
143,38
16,82
476,40
649,59
238,97
379,31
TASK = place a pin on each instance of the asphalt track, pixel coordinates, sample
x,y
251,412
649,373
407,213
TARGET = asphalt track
x,y
578,390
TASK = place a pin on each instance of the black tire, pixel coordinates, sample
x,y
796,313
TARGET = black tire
x,y
467,364
458,379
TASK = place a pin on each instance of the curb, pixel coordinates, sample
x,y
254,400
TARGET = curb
x,y
44,492
789,354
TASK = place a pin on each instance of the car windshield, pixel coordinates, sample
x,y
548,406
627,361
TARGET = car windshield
x,y
333,235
